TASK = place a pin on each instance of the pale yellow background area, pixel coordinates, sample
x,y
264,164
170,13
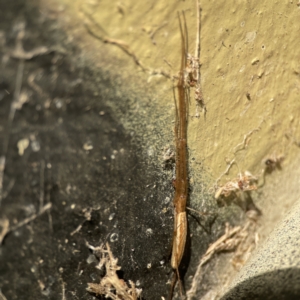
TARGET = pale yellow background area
x,y
247,48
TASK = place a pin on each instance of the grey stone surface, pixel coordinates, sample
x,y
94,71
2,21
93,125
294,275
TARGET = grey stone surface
x,y
274,271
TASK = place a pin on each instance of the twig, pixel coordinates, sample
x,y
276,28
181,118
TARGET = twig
x,y
63,296
31,218
245,141
42,183
119,43
31,82
2,167
126,48
220,244
25,221
87,213
21,54
229,165
2,297
11,116
240,239
198,46
8,189
4,223
217,246
152,34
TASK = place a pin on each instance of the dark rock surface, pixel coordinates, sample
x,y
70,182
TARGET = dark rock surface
x,y
80,159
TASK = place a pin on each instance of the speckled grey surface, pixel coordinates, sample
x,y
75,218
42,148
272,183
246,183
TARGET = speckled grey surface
x,y
274,271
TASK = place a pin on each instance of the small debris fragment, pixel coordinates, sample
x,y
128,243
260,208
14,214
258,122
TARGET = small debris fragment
x,y
273,162
111,216
149,232
88,146
244,182
111,286
254,61
114,237
22,145
91,259
23,98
